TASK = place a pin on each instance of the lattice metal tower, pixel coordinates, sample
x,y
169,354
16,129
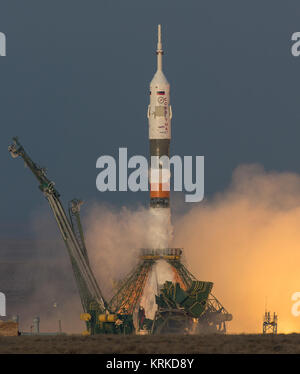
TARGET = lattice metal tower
x,y
269,324
127,298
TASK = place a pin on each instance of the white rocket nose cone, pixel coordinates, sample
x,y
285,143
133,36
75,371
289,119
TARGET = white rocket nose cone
x,y
159,79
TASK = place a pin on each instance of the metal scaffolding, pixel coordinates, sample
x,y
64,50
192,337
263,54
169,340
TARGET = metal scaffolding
x,y
269,324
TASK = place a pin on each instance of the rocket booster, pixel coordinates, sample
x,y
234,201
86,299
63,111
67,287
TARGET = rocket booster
x,y
159,118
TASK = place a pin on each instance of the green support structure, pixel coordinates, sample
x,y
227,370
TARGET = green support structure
x,y
97,315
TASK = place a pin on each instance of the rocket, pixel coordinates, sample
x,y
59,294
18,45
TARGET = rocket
x,y
159,118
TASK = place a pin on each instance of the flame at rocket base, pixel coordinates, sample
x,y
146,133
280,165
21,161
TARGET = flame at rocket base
x,y
160,273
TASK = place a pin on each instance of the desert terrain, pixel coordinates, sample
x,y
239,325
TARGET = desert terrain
x,y
167,344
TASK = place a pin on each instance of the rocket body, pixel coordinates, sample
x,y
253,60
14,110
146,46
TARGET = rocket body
x,y
159,117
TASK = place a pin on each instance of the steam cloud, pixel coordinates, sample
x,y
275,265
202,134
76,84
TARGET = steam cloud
x,y
114,239
161,272
246,240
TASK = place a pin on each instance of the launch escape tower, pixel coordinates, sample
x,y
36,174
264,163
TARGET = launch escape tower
x,y
184,304
269,324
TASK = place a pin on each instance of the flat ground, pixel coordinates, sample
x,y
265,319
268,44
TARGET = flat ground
x,y
152,344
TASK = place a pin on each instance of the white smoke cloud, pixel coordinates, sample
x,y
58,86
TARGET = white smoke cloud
x,y
245,240
159,274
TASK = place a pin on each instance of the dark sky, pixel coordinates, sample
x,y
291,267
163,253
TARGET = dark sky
x,y
74,86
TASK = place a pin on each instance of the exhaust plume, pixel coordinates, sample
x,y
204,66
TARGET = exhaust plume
x,y
247,241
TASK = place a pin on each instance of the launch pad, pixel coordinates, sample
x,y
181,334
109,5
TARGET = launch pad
x,y
187,304
184,305
161,253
